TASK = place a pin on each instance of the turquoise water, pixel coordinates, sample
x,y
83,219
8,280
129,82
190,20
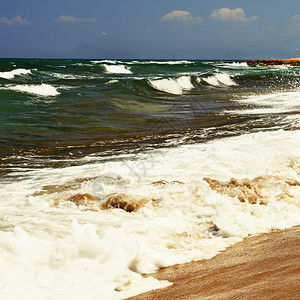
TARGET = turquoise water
x,y
57,110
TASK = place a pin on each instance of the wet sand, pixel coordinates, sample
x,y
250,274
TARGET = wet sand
x,y
260,267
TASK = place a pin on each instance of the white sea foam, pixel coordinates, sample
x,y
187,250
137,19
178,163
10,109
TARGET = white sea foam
x,y
50,248
271,103
235,64
112,81
283,67
162,62
66,76
13,73
219,79
117,69
212,80
225,79
39,89
107,61
142,62
172,86
69,76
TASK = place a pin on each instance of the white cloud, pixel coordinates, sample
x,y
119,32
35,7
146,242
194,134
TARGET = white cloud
x,y
227,14
71,19
295,18
271,27
18,20
181,16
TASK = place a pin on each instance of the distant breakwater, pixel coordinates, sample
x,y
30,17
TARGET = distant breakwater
x,y
273,62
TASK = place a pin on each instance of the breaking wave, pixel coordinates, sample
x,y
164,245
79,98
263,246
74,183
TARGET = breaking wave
x,y
235,65
172,86
41,89
112,81
178,214
220,79
270,103
141,62
13,73
117,69
107,61
162,62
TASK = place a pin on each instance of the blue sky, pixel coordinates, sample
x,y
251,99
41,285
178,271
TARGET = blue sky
x,y
200,29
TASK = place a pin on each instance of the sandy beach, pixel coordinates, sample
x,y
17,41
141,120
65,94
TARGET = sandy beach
x,y
260,267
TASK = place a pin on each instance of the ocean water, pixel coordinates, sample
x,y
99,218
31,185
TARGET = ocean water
x,y
112,169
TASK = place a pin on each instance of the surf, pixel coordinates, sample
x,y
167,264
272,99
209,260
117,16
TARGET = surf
x,y
117,69
14,73
218,80
180,215
172,86
40,90
111,173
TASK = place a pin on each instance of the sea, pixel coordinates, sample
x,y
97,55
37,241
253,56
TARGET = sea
x,y
112,169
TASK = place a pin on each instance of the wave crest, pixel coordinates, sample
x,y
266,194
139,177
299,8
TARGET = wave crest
x,y
172,86
117,69
41,89
220,79
13,73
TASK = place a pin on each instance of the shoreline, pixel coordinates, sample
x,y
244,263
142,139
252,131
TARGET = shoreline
x,y
266,266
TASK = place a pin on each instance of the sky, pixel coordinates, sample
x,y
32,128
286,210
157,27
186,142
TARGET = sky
x,y
140,29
